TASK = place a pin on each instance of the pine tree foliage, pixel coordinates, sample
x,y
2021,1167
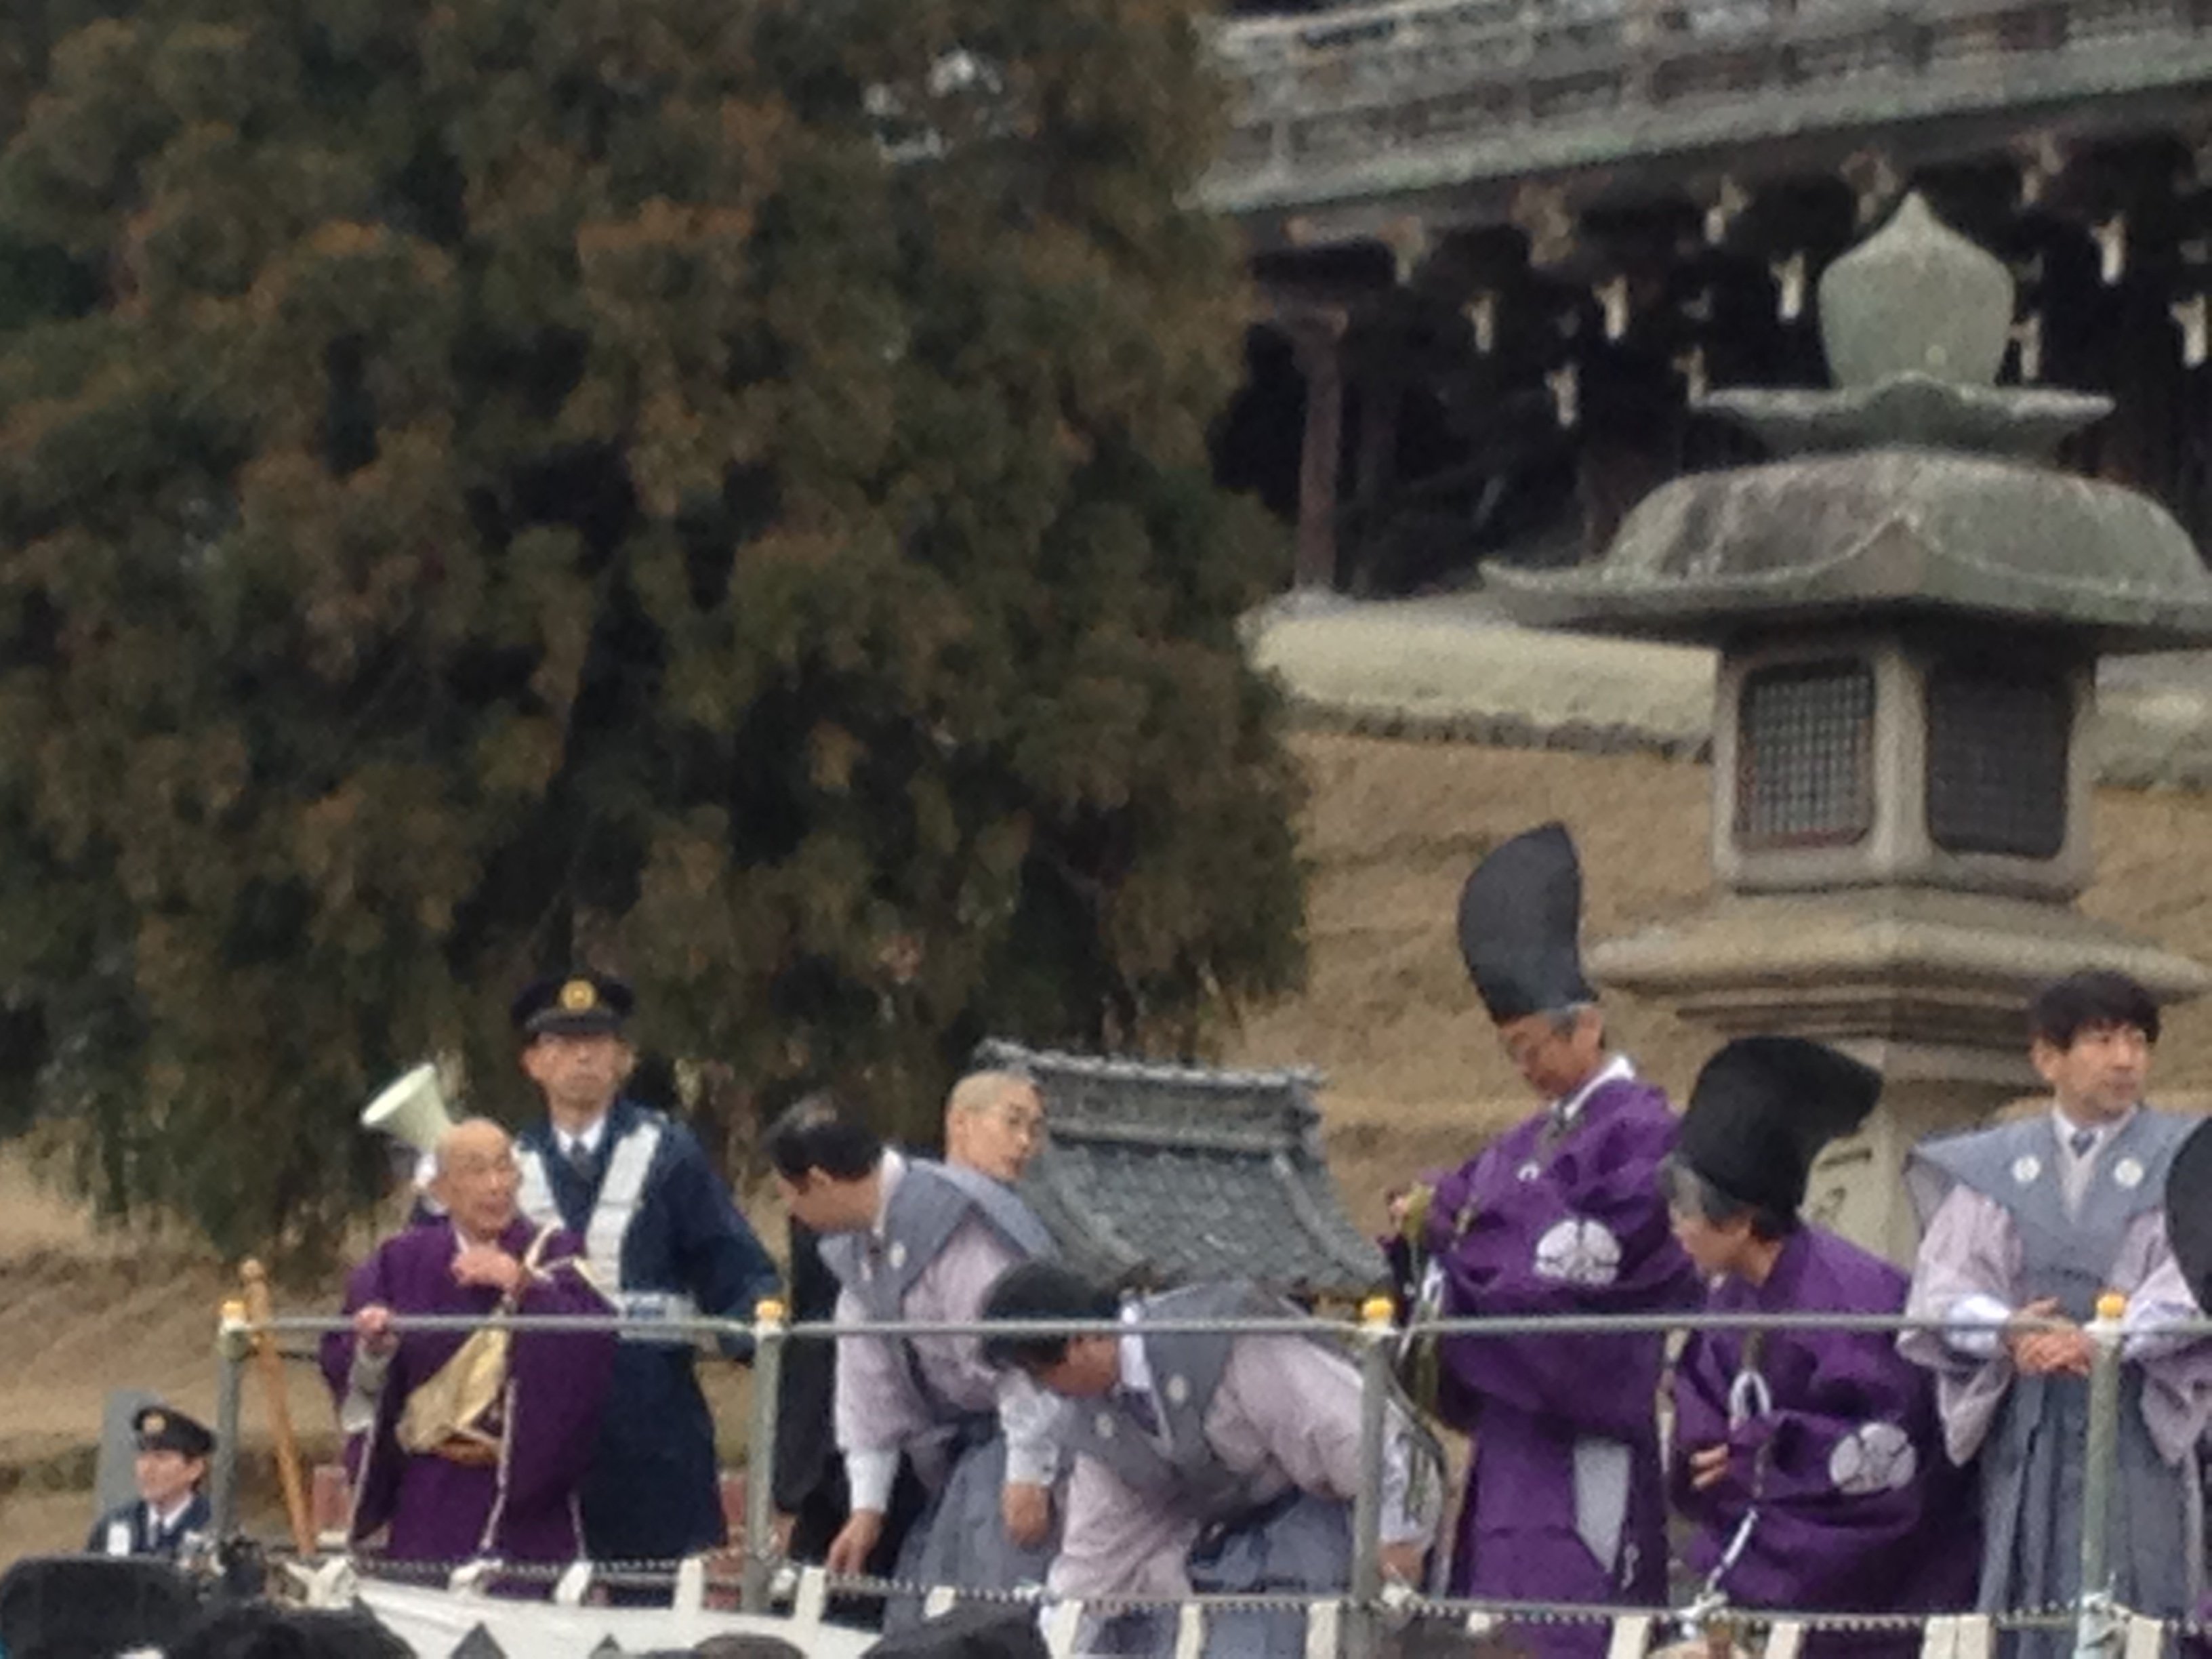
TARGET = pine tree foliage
x,y
718,489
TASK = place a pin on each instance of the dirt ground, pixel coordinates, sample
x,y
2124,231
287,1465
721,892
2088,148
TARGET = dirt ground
x,y
1415,1077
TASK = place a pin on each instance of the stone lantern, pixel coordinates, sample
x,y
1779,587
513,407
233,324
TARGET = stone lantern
x,y
1908,603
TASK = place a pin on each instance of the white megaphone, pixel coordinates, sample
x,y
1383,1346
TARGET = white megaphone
x,y
411,1109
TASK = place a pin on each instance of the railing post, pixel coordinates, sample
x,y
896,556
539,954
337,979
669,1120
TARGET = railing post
x,y
2094,1628
1376,1333
760,1453
233,1342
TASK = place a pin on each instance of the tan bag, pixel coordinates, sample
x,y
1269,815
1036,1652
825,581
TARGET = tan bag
x,y
455,1399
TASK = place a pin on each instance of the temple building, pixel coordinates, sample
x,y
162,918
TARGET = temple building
x,y
1502,245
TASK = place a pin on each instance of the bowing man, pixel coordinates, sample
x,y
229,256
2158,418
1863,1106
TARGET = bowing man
x,y
663,1238
2033,1220
1810,1463
1208,1460
171,1470
1564,1500
469,1445
910,1239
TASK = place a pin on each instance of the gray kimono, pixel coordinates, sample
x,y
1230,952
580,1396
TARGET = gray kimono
x,y
1224,1464
2011,1215
945,1235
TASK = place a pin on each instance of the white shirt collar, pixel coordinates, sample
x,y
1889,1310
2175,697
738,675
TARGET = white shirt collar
x,y
162,1520
1136,1369
588,1139
887,1173
2067,1129
1569,1106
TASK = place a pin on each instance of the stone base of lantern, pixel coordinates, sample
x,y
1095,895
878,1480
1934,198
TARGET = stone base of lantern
x,y
1929,987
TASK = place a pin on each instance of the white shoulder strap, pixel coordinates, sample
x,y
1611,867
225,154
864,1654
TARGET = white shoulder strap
x,y
536,1198
619,1194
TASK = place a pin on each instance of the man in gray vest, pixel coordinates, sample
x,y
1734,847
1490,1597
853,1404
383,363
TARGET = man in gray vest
x,y
1208,1460
2031,1221
911,1240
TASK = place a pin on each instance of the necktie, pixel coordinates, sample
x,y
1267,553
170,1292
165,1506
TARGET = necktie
x,y
580,1160
2082,1141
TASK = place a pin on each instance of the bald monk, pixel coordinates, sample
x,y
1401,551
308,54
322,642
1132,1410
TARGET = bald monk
x,y
468,1446
994,1122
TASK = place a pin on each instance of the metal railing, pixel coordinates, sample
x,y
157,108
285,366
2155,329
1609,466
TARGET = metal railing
x,y
1374,99
1364,1610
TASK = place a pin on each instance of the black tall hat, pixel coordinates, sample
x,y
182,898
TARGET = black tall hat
x,y
1519,926
2188,1211
1763,1108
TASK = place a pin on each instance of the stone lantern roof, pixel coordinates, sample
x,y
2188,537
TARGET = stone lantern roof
x,y
1915,486
1155,1174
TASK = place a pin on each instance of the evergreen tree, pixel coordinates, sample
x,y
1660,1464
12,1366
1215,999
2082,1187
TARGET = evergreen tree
x,y
718,490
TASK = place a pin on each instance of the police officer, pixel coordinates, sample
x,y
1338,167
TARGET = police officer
x,y
662,1236
171,1467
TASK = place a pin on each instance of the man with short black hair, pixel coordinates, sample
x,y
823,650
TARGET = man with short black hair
x,y
1209,1460
663,1238
172,1453
1810,1463
913,1240
2026,1224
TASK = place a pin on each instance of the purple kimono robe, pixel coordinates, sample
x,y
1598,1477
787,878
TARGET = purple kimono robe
x,y
1858,1509
524,1508
1565,1499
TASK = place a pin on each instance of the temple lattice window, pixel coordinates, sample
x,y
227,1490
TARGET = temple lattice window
x,y
1997,745
1805,755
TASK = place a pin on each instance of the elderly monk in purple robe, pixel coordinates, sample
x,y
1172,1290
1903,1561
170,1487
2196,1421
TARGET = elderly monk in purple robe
x,y
2027,1224
471,1447
1810,1463
1565,1499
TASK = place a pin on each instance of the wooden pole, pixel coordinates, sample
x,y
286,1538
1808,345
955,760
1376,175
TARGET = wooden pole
x,y
271,1366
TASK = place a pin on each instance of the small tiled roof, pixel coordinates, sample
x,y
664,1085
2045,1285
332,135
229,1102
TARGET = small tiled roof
x,y
1156,1174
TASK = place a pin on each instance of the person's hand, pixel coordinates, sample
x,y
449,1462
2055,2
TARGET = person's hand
x,y
2066,1351
372,1328
1709,1467
1027,1512
1402,1562
855,1543
781,1529
487,1264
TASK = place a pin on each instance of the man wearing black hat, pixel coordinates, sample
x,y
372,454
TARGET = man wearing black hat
x,y
658,1223
1564,1500
1811,1462
172,1461
2026,1225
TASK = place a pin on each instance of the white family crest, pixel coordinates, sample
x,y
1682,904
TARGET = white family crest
x,y
2129,1173
1873,1457
1578,1251
2025,1168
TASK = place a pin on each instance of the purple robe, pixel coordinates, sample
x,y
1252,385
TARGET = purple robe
x,y
1859,1510
1549,1221
439,1510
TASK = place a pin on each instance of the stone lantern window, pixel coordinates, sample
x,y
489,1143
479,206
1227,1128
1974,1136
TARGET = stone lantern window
x,y
1998,739
1804,755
